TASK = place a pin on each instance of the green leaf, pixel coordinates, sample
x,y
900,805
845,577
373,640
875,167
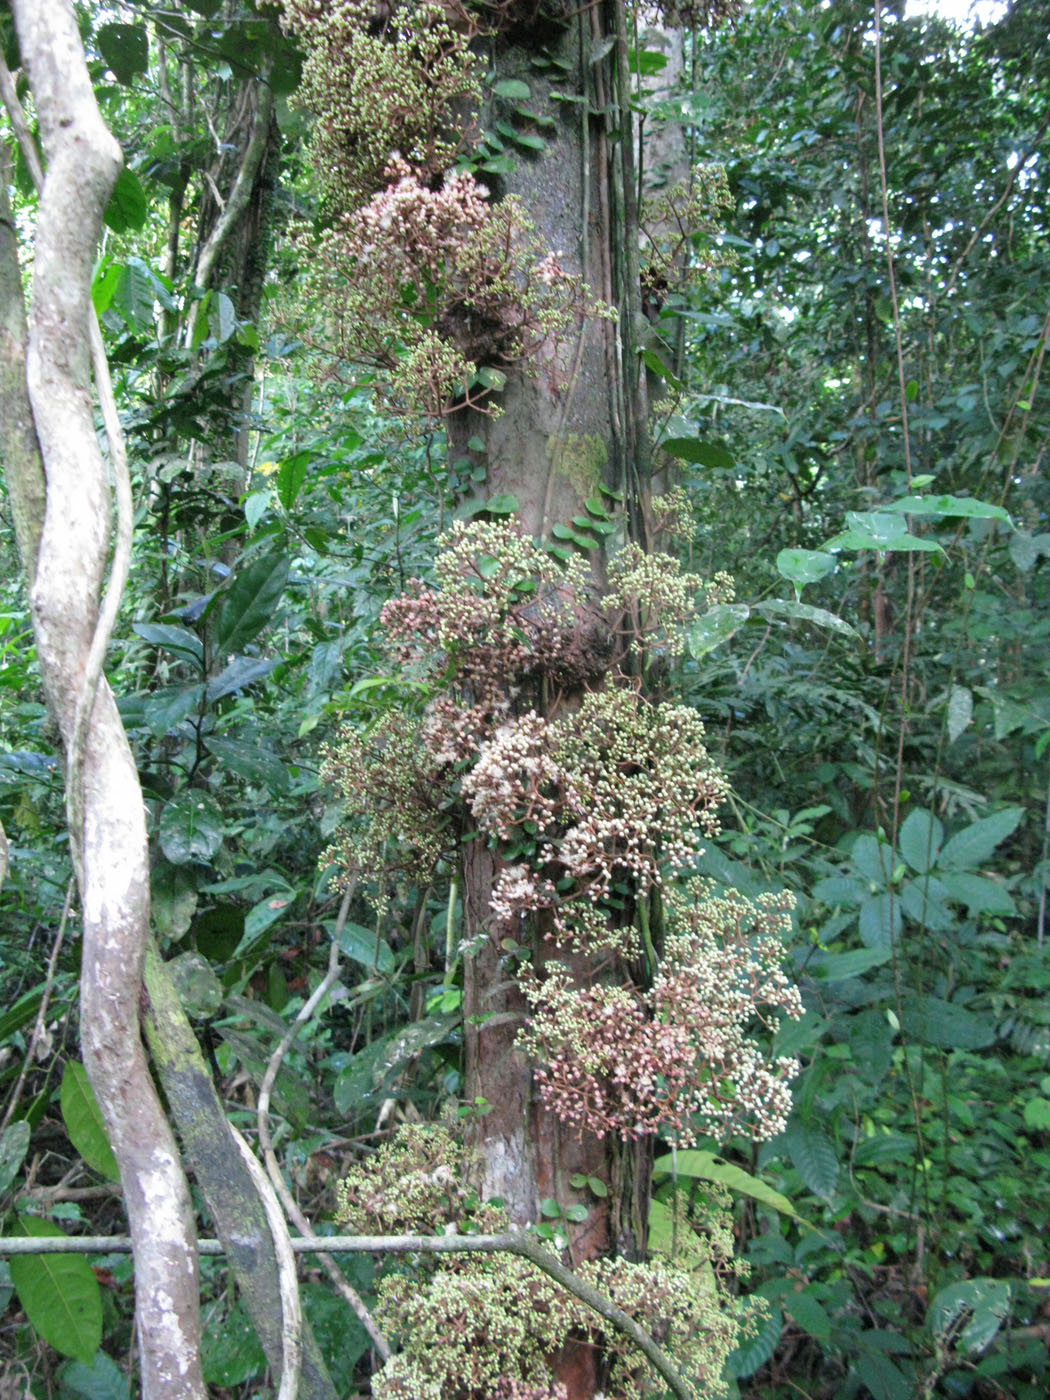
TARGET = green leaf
x,y
172,638
230,1351
242,672
757,1350
948,505
945,1024
924,901
1037,1114
871,859
99,1379
127,207
14,1143
804,566
190,827
960,711
134,296
503,504
972,846
802,612
341,1338
809,1315
58,1292
550,1209
656,366
513,89
813,1154
80,1113
366,948
529,141
843,967
980,894
707,1166
881,531
716,626
250,761
249,604
701,454
290,477
920,839
125,48
880,920
984,1301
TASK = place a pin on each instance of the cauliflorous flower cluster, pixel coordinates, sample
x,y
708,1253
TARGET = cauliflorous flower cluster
x,y
676,1057
490,1326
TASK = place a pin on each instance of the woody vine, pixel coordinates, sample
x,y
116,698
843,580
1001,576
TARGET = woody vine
x,y
541,772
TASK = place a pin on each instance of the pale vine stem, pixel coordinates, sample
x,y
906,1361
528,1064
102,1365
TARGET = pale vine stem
x,y
121,562
512,1242
273,1168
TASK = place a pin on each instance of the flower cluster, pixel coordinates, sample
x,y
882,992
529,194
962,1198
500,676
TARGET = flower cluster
x,y
399,85
428,280
676,1058
679,224
489,1326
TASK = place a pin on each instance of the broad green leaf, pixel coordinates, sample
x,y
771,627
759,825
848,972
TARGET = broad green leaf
x,y
707,1166
880,920
809,1314
364,947
884,1148
250,761
21,1012
842,967
172,637
80,1113
985,1302
716,626
222,318
802,566
190,827
878,530
655,365
98,1379
339,1335
803,612
134,296
757,1350
14,1143
230,1351
173,899
164,709
920,839
512,88
871,859
884,1379
260,917
813,1154
960,711
504,504
290,478
980,894
242,672
58,1292
1037,1114
249,603
701,454
945,1024
127,207
839,889
924,902
947,505
256,505
125,48
970,848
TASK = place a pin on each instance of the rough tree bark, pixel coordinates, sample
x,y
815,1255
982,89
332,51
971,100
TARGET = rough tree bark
x,y
559,438
104,802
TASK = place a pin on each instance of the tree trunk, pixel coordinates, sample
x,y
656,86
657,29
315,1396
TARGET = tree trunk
x,y
565,429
